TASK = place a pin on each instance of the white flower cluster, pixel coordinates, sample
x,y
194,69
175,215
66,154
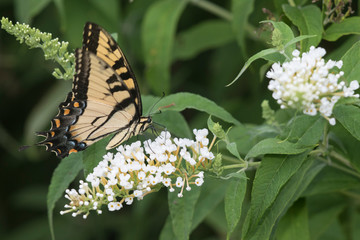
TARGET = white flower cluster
x,y
308,83
135,171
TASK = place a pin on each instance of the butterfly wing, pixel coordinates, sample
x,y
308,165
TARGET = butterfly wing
x,y
100,42
99,104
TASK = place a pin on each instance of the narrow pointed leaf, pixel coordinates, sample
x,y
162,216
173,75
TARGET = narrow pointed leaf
x,y
158,33
308,20
234,198
182,212
63,175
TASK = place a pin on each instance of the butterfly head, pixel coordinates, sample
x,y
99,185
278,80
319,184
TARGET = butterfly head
x,y
144,123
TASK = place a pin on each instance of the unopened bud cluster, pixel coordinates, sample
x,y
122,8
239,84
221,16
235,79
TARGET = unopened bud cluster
x,y
308,83
53,48
135,171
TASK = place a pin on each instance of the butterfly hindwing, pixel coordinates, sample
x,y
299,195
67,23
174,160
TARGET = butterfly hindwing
x,y
101,101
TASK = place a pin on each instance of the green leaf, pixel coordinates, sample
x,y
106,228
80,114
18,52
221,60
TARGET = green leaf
x,y
94,154
241,10
305,130
350,25
247,136
27,9
63,175
275,146
294,225
201,37
273,173
182,212
349,117
258,55
212,193
331,180
323,211
234,198
158,31
309,21
181,101
232,148
281,35
290,192
351,63
174,122
167,230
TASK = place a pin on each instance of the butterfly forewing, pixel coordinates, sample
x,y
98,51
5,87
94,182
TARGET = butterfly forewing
x,y
105,98
98,41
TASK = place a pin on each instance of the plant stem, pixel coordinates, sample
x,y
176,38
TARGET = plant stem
x,y
292,3
351,194
340,167
340,158
230,159
213,8
242,165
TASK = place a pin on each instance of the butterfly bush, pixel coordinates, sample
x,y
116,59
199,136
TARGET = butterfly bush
x,y
309,83
135,171
53,48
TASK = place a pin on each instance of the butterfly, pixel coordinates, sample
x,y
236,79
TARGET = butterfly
x,y
105,99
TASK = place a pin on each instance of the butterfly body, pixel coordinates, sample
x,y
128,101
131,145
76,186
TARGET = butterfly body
x,y
105,98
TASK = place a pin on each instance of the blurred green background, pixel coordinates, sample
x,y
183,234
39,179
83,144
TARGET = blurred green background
x,y
205,57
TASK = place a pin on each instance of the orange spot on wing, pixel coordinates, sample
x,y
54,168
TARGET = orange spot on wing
x,y
72,150
76,104
66,111
57,122
52,133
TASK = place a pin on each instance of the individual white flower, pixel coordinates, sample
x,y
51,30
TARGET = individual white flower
x,y
129,200
138,193
111,206
199,181
166,182
179,182
306,79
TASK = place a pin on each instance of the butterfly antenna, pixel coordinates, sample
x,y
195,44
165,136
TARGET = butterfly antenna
x,y
152,107
22,148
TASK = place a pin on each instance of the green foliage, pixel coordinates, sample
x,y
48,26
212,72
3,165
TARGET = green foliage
x,y
293,176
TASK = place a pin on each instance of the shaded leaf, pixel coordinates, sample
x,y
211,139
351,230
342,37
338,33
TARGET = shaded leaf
x,y
350,25
349,117
294,225
234,198
351,63
158,32
212,193
241,9
309,21
94,154
183,100
288,194
331,180
270,177
201,37
323,211
63,175
182,212
274,146
305,130
167,230
26,9
258,55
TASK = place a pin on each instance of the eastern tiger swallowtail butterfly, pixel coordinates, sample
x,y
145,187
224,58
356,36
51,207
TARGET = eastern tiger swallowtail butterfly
x,y
105,98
